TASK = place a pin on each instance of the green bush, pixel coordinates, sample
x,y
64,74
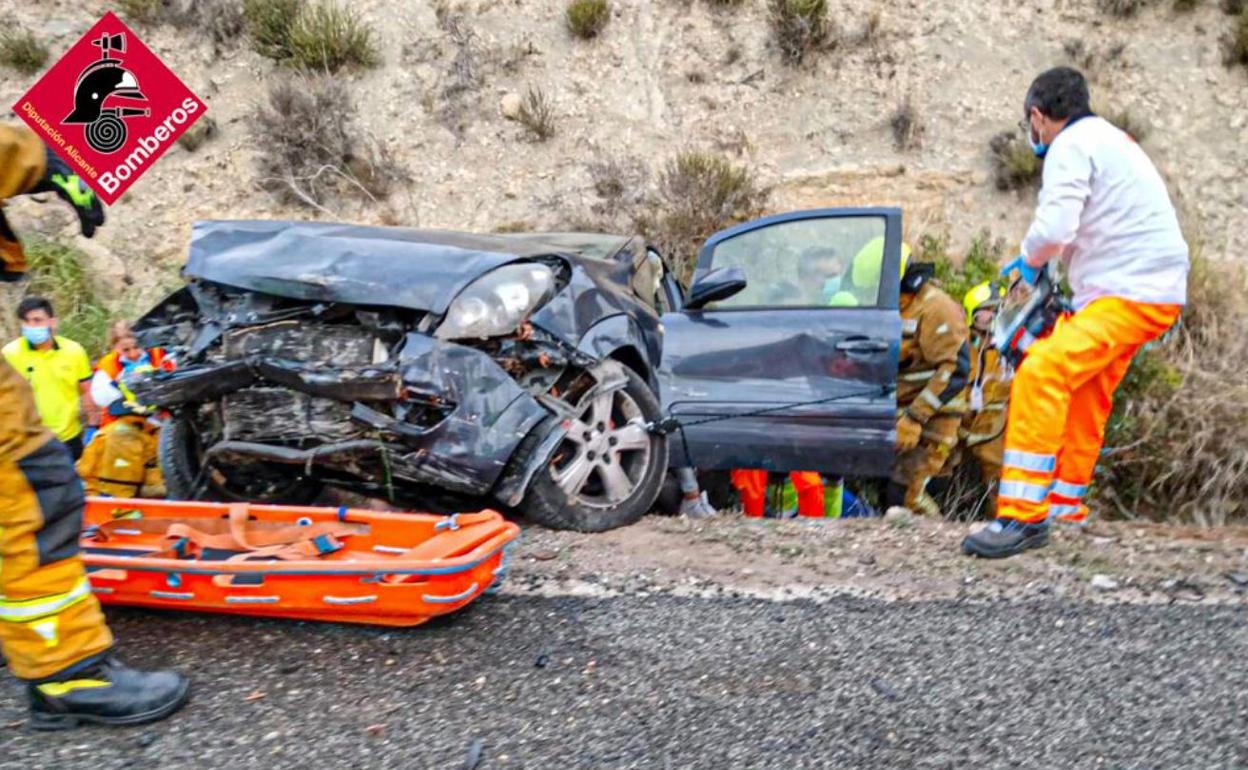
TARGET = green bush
x,y
327,37
800,27
587,18
982,261
21,50
269,24
58,272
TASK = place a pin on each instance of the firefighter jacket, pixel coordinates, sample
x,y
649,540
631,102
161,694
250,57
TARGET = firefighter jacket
x,y
23,161
989,394
935,363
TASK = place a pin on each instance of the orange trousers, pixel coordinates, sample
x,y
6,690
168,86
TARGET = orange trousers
x,y
751,483
1060,401
49,619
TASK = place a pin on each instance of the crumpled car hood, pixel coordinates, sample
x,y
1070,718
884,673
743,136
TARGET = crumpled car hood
x,y
365,265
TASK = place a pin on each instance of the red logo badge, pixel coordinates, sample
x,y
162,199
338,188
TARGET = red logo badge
x,y
109,107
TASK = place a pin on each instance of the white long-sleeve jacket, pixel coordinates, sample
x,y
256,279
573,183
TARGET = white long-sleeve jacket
x,y
1105,212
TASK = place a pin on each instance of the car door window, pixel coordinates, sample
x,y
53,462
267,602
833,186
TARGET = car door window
x,y
817,262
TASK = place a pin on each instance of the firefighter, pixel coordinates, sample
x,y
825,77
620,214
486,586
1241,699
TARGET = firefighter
x,y
1105,213
933,371
51,628
124,356
982,434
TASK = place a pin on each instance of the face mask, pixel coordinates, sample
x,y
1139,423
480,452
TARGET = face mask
x,y
143,360
1039,148
831,285
36,335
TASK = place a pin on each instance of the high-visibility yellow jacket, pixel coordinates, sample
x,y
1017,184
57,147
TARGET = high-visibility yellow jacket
x,y
989,394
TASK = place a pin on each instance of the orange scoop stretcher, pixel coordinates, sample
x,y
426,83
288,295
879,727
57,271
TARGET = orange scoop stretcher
x,y
334,564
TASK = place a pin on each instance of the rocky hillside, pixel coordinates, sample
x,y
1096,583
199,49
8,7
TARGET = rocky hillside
x,y
668,75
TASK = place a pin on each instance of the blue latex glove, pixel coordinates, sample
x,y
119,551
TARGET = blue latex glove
x,y
1030,274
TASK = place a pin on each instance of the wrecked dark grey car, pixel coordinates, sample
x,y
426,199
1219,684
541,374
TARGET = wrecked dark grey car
x,y
417,366
550,373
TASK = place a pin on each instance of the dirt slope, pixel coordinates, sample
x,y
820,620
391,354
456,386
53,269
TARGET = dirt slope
x,y
670,74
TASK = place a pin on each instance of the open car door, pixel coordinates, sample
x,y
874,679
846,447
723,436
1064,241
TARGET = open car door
x,y
802,361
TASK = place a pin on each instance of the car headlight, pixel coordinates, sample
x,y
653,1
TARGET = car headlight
x,y
497,302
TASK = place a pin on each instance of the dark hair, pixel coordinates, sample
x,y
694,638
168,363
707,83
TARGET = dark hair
x,y
1059,93
26,306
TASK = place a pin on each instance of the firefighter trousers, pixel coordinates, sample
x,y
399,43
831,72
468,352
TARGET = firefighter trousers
x,y
1060,401
914,468
49,620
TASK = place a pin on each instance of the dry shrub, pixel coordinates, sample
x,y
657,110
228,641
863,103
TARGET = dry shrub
x,y
1237,42
1234,6
1185,6
1177,445
698,194
800,27
21,50
1123,8
1015,166
1136,128
309,148
537,114
907,126
140,10
219,20
587,18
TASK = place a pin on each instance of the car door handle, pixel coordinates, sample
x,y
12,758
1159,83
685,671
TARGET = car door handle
x,y
862,345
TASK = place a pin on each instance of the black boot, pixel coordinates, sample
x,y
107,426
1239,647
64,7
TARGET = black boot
x,y
105,692
1005,537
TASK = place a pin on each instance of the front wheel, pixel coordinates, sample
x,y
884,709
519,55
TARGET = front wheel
x,y
608,471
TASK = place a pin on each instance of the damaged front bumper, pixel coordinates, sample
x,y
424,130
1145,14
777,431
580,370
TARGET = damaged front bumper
x,y
438,413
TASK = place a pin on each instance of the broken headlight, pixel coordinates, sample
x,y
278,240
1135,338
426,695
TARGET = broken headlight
x,y
498,302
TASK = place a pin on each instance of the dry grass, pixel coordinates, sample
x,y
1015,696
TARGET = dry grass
x,y
309,148
1234,6
1123,8
537,114
21,50
801,27
907,126
698,194
268,23
140,10
1177,447
1015,166
587,18
1186,6
58,271
328,37
1127,121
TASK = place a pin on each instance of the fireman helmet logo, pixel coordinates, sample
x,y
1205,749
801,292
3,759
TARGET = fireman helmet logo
x,y
106,82
109,107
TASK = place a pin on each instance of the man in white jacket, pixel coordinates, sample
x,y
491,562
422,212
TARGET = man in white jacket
x,y
1105,213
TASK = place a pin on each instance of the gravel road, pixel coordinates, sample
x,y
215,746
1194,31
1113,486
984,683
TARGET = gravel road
x,y
663,682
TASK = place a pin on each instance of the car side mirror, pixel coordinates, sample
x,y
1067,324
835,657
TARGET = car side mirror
x,y
718,284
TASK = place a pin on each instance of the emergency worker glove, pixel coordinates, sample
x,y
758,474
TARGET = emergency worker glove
x,y
1029,274
70,187
908,433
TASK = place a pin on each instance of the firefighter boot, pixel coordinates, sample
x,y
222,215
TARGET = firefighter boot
x,y
105,692
1005,537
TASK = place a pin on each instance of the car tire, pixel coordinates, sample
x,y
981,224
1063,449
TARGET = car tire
x,y
178,452
549,504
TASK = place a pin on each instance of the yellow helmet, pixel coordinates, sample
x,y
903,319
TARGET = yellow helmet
x,y
843,299
866,266
988,293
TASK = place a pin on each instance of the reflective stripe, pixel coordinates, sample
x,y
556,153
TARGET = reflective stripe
x,y
930,399
1029,461
1066,489
916,376
59,689
31,609
1021,490
909,325
459,597
992,408
1063,510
